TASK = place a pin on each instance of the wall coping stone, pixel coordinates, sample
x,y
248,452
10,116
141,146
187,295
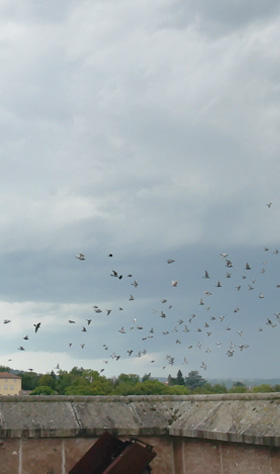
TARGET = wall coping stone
x,y
251,418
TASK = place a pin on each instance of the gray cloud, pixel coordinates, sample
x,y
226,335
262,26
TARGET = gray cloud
x,y
148,130
221,17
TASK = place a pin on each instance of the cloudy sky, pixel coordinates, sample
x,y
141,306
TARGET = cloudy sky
x,y
149,130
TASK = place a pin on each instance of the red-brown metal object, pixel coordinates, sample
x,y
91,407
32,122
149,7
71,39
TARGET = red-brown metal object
x,y
109,455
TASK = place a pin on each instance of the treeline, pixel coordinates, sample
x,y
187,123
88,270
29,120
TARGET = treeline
x,y
80,381
197,384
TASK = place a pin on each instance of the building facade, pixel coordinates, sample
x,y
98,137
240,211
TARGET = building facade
x,y
10,384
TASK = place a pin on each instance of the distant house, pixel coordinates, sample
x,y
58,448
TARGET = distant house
x,y
10,384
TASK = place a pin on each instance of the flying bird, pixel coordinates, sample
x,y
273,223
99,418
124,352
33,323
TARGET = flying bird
x,y
80,256
37,327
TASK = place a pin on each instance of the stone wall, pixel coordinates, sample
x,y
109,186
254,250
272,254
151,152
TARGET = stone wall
x,y
202,434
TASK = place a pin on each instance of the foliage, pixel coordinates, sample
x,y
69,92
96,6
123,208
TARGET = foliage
x,y
171,380
218,388
180,379
177,390
64,379
263,388
29,380
150,387
43,390
132,379
124,389
238,389
80,381
194,380
79,390
146,377
47,380
238,384
4,368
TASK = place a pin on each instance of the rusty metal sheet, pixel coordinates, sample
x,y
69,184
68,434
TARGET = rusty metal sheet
x,y
132,460
99,456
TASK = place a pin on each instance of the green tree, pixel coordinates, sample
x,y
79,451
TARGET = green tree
x,y
41,390
64,379
29,380
180,379
238,389
97,384
150,387
146,377
132,379
171,380
194,380
4,368
219,388
177,390
263,388
125,389
79,390
47,380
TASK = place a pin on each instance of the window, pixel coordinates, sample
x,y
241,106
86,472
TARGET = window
x,y
5,387
11,387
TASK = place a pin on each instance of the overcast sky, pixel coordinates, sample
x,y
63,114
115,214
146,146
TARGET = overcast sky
x,y
149,130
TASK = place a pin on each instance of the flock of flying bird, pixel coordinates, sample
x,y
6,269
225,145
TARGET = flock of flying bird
x,y
205,324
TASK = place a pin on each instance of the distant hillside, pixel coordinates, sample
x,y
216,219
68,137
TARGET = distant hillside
x,y
229,382
248,382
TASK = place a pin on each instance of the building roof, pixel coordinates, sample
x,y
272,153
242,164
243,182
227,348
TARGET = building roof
x,y
7,375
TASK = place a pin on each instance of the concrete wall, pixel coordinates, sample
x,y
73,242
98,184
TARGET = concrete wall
x,y
203,434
